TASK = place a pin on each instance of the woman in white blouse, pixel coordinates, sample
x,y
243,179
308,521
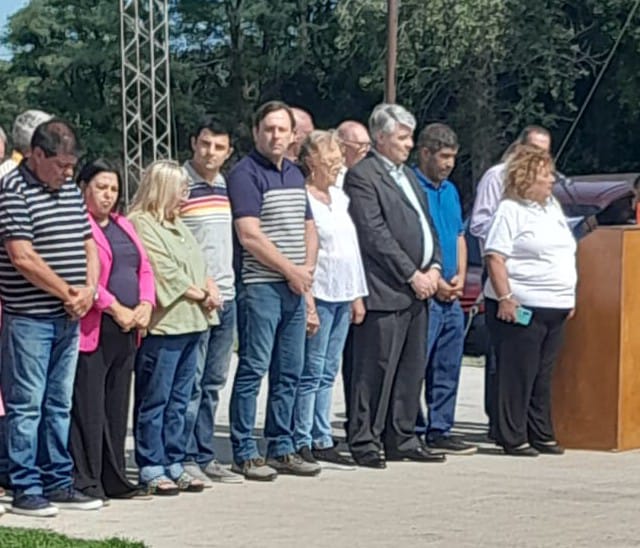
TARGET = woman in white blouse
x,y
334,302
530,255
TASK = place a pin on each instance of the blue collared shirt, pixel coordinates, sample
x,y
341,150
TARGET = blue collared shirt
x,y
446,213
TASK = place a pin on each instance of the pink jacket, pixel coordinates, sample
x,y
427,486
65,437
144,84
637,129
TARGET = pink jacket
x,y
90,324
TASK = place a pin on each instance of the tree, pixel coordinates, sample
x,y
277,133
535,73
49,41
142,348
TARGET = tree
x,y
486,67
66,61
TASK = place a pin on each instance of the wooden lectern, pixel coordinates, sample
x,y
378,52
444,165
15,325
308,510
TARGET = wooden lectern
x,y
596,385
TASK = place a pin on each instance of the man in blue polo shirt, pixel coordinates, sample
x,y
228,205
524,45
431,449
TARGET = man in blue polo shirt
x,y
437,150
275,259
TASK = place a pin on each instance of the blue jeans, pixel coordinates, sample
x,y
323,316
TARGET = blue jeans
x,y
271,334
165,368
323,352
40,357
211,376
445,346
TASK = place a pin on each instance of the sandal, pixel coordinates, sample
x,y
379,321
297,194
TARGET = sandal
x,y
162,486
187,483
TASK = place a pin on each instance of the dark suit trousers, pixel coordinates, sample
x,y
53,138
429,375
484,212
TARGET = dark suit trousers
x,y
347,370
389,356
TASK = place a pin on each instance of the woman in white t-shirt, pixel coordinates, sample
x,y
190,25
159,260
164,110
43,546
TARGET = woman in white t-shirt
x,y
334,301
530,256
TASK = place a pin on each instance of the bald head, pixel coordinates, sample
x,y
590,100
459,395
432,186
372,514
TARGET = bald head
x,y
304,126
355,138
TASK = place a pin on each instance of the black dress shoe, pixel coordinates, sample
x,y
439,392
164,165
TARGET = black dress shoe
x,y
548,447
524,450
371,460
419,454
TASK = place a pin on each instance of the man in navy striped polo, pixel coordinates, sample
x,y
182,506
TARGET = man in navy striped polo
x,y
48,274
276,255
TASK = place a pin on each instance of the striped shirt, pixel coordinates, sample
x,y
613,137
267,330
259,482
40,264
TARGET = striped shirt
x,y
207,213
257,188
56,224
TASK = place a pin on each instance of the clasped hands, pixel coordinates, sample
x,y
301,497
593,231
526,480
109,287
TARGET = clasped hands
x,y
127,318
79,301
425,284
213,300
450,291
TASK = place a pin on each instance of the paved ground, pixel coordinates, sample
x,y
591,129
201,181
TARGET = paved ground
x,y
581,499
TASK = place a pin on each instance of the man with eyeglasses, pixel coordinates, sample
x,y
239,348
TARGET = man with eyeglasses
x,y
355,145
355,140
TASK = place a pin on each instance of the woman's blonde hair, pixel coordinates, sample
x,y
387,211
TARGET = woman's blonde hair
x,y
161,182
523,166
317,143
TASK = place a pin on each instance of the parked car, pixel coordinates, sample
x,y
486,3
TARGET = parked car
x,y
588,201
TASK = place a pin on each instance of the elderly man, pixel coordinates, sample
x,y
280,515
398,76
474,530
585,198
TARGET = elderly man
x,y
488,195
303,126
401,256
44,292
21,134
356,141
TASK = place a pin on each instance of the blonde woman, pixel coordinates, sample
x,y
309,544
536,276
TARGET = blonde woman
x,y
530,254
167,359
338,288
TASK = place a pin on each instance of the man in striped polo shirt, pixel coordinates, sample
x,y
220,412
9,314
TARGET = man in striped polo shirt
x,y
207,213
48,274
276,254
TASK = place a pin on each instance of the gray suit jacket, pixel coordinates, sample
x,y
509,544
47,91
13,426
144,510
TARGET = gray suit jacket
x,y
389,232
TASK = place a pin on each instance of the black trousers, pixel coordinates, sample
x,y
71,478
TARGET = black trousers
x,y
525,356
347,371
99,415
389,357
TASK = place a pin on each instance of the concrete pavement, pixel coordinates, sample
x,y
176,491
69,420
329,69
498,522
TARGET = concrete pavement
x,y
580,499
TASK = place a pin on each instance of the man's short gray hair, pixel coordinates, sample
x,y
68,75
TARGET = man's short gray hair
x,y
24,126
386,117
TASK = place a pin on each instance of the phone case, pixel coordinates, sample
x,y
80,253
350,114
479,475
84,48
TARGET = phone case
x,y
523,316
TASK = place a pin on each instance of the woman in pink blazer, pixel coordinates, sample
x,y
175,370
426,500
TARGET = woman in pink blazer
x,y
109,336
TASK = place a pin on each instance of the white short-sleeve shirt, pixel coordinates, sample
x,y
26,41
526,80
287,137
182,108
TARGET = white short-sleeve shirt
x,y
540,253
339,274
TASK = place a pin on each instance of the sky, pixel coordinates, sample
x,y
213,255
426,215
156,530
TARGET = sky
x,y
7,8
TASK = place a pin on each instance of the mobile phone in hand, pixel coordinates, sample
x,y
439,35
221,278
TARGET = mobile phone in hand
x,y
523,316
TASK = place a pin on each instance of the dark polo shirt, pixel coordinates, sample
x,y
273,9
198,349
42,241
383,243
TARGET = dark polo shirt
x,y
257,188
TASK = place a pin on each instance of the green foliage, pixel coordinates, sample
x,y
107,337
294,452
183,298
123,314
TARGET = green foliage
x,y
13,537
66,61
487,67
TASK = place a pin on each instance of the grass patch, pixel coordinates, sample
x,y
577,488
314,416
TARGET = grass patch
x,y
15,537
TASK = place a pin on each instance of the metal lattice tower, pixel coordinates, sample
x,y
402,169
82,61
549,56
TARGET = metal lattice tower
x,y
146,108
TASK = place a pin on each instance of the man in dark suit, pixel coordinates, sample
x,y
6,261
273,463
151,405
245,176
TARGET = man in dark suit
x,y
401,256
